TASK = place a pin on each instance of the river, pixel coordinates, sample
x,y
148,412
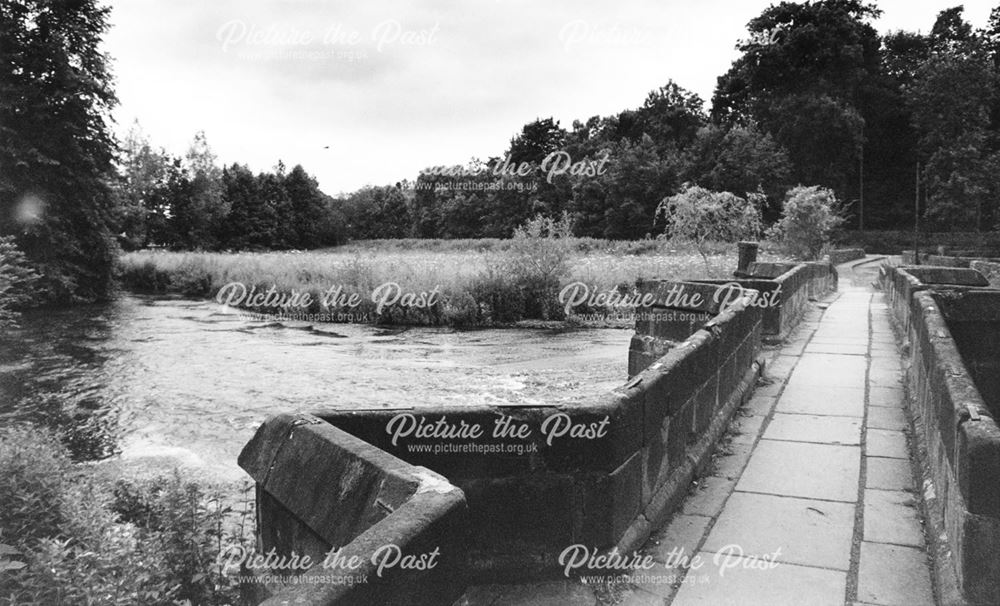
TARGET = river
x,y
146,384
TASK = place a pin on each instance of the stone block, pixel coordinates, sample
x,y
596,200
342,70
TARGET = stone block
x,y
978,458
521,515
608,504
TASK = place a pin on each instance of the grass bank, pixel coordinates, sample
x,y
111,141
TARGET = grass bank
x,y
460,282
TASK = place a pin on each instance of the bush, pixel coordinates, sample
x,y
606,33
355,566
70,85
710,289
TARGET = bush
x,y
700,216
69,537
538,262
808,217
500,300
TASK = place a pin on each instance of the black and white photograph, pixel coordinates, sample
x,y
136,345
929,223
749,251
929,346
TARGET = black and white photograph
x,y
499,303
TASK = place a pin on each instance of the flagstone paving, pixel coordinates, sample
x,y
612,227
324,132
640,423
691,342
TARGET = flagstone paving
x,y
813,500
828,493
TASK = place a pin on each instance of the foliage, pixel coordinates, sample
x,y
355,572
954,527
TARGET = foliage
x,y
77,539
699,216
741,160
193,204
16,282
143,173
56,147
809,216
538,263
476,278
951,97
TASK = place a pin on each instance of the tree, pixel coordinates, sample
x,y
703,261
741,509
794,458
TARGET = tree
x,y
824,136
816,48
742,160
700,216
198,217
143,174
56,150
536,141
16,282
277,208
382,212
251,220
621,202
953,96
671,115
808,216
809,75
308,208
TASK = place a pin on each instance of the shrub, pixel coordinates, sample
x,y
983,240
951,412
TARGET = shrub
x,y
70,537
808,217
700,216
538,262
500,299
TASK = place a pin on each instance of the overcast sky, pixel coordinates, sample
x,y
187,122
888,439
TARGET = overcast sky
x,y
370,92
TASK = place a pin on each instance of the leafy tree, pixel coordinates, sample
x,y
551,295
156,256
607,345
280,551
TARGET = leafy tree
x,y
816,48
809,75
379,212
56,150
824,136
536,141
809,215
307,206
740,159
951,30
198,218
952,97
671,115
251,221
143,174
17,280
700,216
621,203
277,206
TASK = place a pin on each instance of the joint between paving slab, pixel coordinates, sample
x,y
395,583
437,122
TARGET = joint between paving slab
x,y
859,511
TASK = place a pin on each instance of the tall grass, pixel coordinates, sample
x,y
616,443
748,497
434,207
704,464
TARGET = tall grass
x,y
480,282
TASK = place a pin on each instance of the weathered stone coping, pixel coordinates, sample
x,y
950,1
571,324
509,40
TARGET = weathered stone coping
x,y
901,282
320,488
955,423
783,291
604,492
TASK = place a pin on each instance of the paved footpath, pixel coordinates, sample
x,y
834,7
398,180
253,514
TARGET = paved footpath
x,y
816,491
811,499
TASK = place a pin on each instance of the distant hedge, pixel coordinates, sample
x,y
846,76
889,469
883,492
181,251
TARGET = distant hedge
x,y
892,242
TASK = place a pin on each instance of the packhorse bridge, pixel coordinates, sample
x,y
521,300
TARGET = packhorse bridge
x,y
787,453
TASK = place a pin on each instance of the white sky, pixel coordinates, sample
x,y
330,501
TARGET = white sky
x,y
431,82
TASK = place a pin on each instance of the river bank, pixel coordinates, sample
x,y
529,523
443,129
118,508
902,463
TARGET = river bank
x,y
475,283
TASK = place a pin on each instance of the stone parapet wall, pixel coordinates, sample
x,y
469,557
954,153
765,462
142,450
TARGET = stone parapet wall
x,y
954,421
843,255
603,490
322,491
989,269
605,484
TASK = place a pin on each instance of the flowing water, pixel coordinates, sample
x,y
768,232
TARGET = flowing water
x,y
150,383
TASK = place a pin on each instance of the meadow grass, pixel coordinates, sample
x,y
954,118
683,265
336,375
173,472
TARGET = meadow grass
x,y
479,282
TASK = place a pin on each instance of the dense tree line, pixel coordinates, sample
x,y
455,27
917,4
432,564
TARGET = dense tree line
x,y
56,149
192,203
817,97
